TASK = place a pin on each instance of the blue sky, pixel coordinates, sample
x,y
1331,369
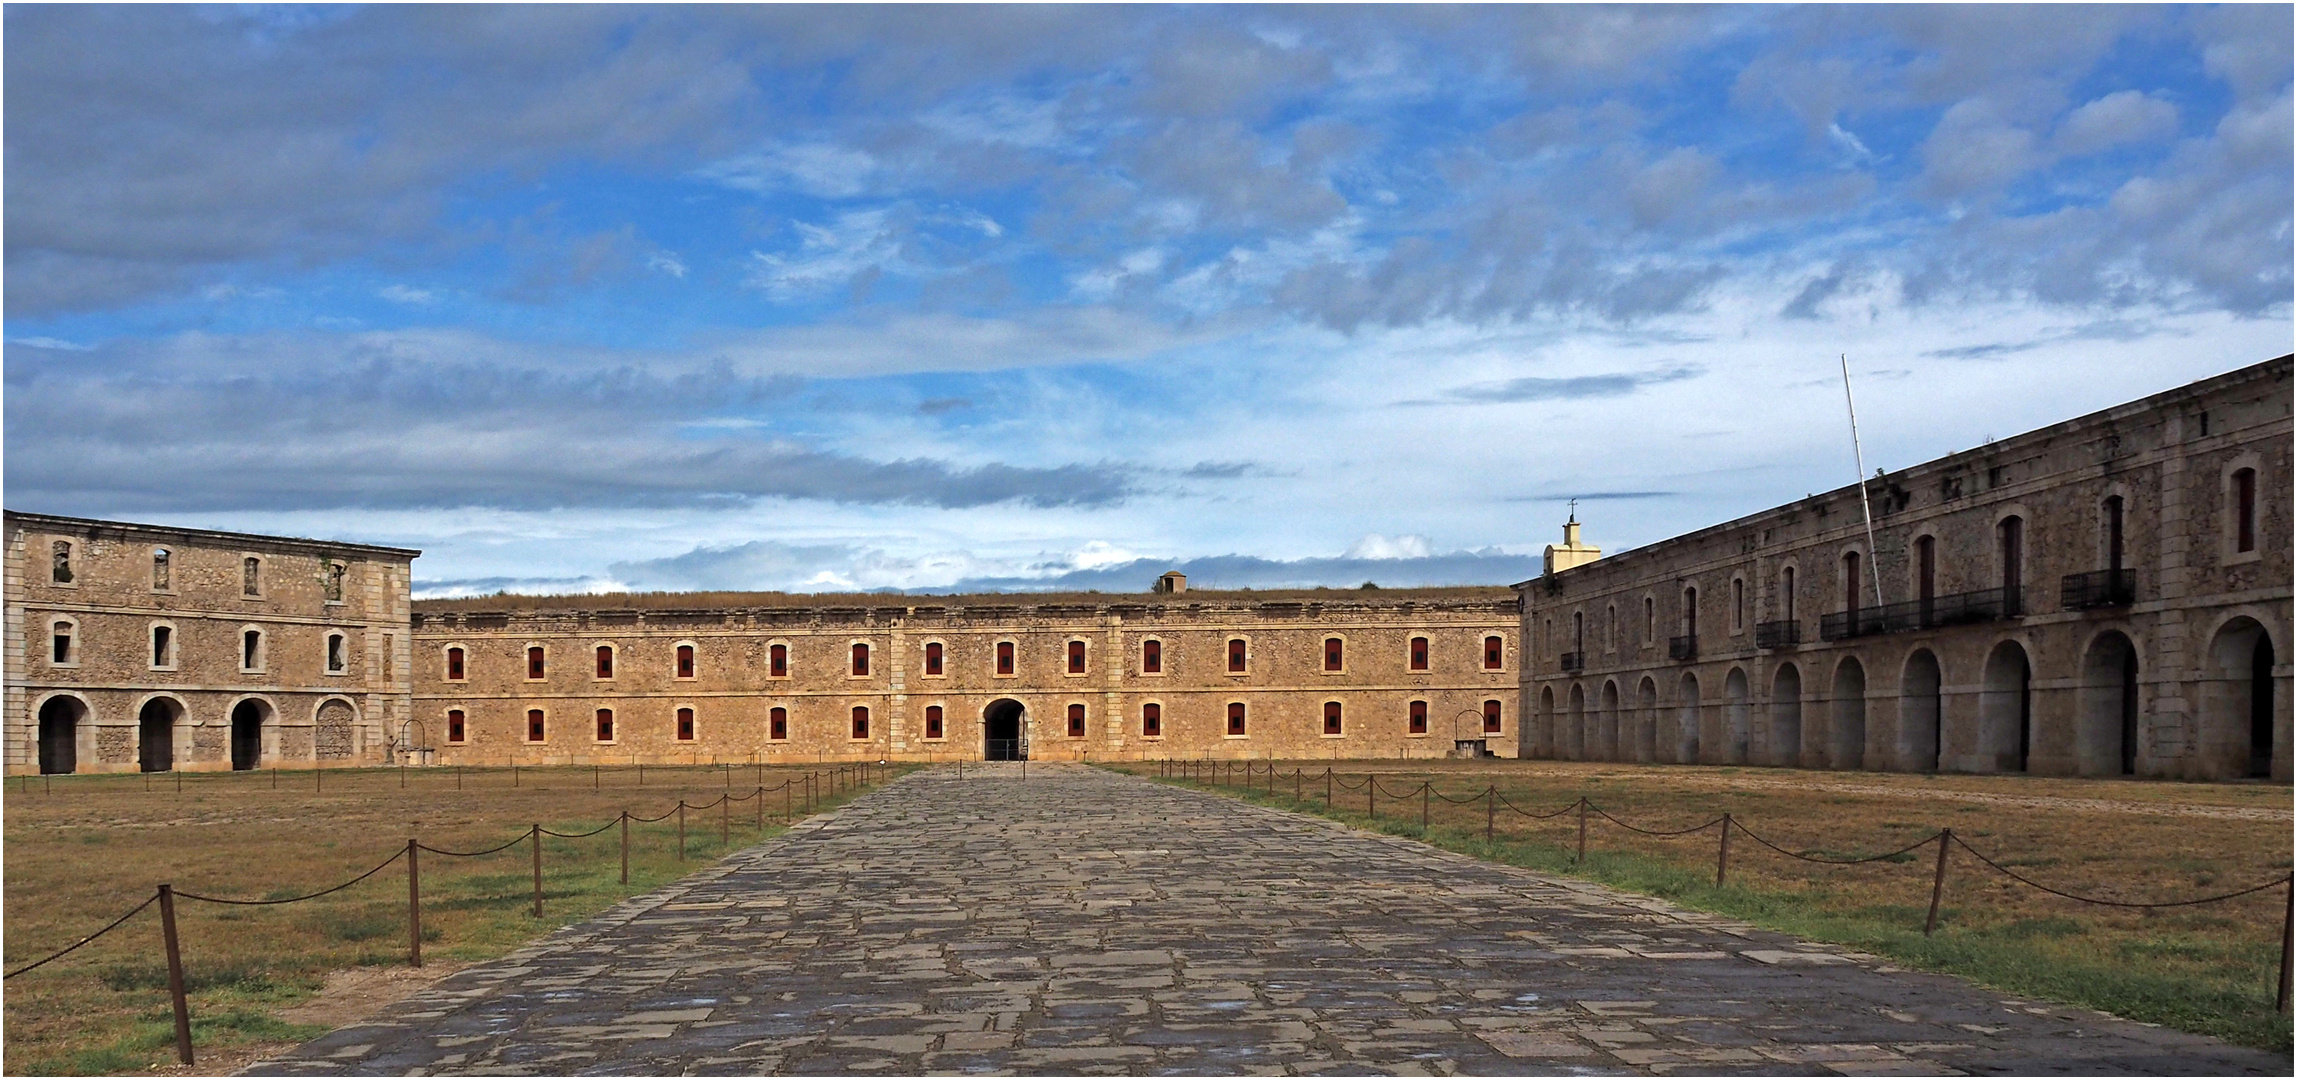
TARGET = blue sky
x,y
922,298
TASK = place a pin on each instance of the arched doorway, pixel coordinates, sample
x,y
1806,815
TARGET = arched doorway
x,y
1005,731
1786,741
60,734
2106,742
1919,735
1740,735
1607,742
1543,741
2238,706
2261,707
1846,726
1575,732
1687,715
1647,721
155,734
2006,709
247,720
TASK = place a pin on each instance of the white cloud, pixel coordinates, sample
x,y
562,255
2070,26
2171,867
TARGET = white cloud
x,y
407,294
2113,120
666,263
1376,546
821,169
50,343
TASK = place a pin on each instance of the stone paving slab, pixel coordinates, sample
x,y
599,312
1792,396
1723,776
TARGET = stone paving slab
x,y
1082,922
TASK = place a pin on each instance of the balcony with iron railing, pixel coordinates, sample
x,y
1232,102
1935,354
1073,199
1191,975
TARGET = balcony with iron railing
x,y
1572,661
1685,647
1779,634
1953,609
2098,589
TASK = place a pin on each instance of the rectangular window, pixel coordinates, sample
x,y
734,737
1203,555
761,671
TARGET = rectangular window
x,y
1076,721
161,637
1331,718
1004,658
861,721
334,653
1419,715
606,661
860,658
1152,720
534,728
534,662
1650,620
933,721
1491,717
2114,533
1152,657
1076,658
1333,655
251,649
251,576
1738,604
1236,654
61,645
1236,718
60,570
1494,653
778,661
1787,588
334,585
160,576
455,662
685,661
605,725
455,730
1419,654
933,658
685,725
2245,510
777,723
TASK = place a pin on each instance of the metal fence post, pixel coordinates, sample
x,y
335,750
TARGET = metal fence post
x,y
1938,883
414,905
175,975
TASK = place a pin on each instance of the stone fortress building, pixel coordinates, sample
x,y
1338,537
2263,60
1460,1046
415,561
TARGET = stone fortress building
x,y
2107,596
154,648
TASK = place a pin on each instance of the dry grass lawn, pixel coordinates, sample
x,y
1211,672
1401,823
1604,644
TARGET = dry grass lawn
x,y
82,849
2208,968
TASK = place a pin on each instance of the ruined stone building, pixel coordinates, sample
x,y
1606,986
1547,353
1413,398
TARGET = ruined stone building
x,y
2106,596
154,648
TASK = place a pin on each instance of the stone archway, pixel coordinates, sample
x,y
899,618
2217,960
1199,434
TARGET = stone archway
x,y
1647,721
2006,710
1738,732
59,746
1543,740
1607,741
1846,716
1575,733
1920,736
2238,706
248,719
155,734
1687,716
1786,736
1005,731
2106,739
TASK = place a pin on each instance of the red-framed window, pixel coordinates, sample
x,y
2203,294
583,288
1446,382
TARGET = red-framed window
x,y
534,665
685,661
1419,654
1331,718
534,726
778,661
1419,717
606,661
455,662
1076,658
1491,717
605,725
1152,719
1076,721
860,658
933,658
1494,653
777,723
1236,718
457,729
1333,654
933,721
1236,654
1004,658
1152,657
685,725
861,721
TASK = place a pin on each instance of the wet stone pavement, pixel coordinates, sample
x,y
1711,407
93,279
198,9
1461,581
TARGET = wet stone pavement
x,y
1084,922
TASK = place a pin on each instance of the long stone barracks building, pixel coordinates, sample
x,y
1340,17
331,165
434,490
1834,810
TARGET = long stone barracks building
x,y
146,647
2106,596
768,677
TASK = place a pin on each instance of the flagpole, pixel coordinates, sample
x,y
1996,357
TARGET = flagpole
x,y
1858,456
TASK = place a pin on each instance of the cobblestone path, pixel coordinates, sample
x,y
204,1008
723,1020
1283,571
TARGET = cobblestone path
x,y
1085,922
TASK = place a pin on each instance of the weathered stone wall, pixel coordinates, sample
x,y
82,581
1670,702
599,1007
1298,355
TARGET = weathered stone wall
x,y
305,592
1284,687
1948,696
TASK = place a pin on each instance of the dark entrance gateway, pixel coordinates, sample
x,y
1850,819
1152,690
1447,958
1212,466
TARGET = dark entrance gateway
x,y
247,735
1003,735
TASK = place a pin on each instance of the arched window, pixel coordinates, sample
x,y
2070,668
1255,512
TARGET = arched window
x,y
1331,718
777,723
163,646
457,731
1236,718
455,662
685,725
861,721
251,576
336,662
60,564
1418,713
1419,654
861,658
778,661
933,721
1076,721
1333,654
1152,657
1004,658
1235,654
1152,720
605,725
685,662
1491,717
933,658
1076,658
334,582
63,642
534,725
2244,510
162,573
606,661
534,664
251,650
1494,653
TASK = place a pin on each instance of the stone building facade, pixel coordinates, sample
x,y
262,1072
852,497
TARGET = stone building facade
x,y
2105,596
1386,674
141,647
